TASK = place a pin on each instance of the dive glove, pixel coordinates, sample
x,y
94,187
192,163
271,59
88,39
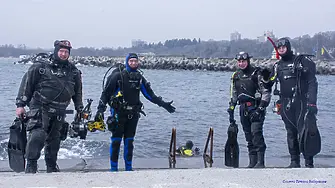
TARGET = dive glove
x,y
230,111
168,106
257,115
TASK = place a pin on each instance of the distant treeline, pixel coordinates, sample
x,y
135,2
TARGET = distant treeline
x,y
197,48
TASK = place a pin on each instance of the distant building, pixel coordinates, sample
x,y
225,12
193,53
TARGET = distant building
x,y
147,54
263,38
235,36
138,42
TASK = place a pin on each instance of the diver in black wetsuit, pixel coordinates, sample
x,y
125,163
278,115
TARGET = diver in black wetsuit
x,y
248,89
122,93
297,96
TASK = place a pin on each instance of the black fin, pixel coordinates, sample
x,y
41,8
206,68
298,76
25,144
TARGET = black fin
x,y
17,145
232,150
311,139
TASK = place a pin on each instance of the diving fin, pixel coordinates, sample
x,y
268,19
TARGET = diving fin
x,y
17,145
232,150
311,140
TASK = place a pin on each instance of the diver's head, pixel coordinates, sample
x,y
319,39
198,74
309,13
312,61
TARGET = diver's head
x,y
243,60
284,48
132,62
62,50
189,144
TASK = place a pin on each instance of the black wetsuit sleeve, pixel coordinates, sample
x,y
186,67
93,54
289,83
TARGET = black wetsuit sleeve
x,y
108,91
78,89
149,93
233,92
27,86
312,84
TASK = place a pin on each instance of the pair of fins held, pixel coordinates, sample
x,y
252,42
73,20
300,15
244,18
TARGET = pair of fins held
x,y
232,150
17,145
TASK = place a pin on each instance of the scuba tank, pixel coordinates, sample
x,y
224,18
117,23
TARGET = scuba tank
x,y
277,104
120,68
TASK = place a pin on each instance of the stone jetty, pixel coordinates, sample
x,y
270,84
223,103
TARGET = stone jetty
x,y
183,63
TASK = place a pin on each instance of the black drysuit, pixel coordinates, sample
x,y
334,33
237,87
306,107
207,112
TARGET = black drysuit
x,y
47,88
295,94
249,91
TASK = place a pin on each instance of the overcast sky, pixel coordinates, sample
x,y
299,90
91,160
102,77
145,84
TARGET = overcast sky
x,y
113,23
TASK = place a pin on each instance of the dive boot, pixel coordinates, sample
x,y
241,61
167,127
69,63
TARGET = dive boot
x,y
309,163
31,167
52,168
252,161
295,162
260,160
114,166
128,165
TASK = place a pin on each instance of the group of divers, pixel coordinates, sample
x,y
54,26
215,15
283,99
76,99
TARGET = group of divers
x,y
52,82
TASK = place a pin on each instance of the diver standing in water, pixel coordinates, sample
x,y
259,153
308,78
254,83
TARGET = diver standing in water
x,y
298,97
248,89
122,93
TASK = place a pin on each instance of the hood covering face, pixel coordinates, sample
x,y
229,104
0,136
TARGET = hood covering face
x,y
285,42
59,45
129,56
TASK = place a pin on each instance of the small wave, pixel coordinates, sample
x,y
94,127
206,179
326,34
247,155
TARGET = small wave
x,y
3,149
78,150
71,148
4,141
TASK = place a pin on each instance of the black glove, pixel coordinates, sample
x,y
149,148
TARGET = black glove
x,y
168,107
312,108
266,74
230,111
99,116
79,108
257,115
197,151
